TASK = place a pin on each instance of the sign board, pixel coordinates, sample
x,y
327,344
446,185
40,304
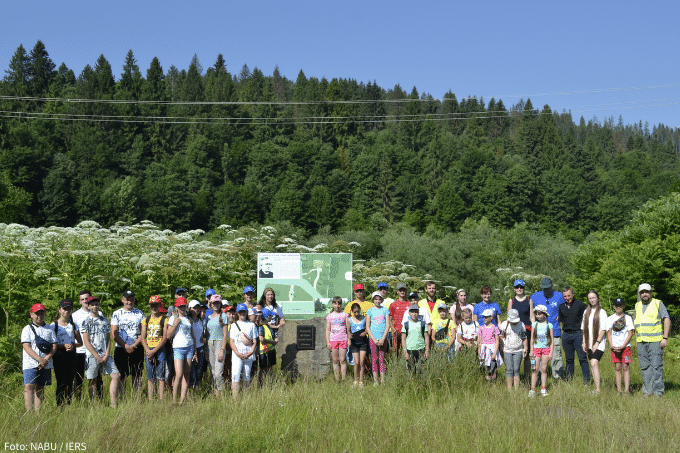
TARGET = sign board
x,y
305,283
306,338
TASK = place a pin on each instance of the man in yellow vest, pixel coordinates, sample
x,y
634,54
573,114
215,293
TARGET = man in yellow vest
x,y
651,338
431,302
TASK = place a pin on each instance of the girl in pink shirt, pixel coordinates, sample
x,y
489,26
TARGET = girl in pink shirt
x,y
336,338
489,342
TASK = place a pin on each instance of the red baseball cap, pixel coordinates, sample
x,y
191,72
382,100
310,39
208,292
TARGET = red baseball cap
x,y
180,301
155,300
359,286
38,307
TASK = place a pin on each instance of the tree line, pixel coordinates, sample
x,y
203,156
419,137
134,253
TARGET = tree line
x,y
195,148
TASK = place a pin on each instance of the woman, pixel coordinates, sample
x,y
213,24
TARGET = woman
x,y
484,305
243,335
525,307
268,301
460,305
217,336
68,339
198,327
183,351
594,329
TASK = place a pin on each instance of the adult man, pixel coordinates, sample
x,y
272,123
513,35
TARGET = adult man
x,y
431,302
571,316
78,318
383,288
126,332
266,269
360,294
651,338
397,310
552,300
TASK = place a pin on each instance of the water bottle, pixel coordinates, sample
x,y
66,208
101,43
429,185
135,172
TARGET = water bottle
x,y
533,363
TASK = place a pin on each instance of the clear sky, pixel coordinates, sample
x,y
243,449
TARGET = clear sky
x,y
600,58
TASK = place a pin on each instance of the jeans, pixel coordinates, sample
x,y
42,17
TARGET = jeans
x,y
651,367
572,341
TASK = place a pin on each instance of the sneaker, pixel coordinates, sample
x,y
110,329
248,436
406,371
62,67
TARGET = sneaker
x,y
355,384
544,392
532,393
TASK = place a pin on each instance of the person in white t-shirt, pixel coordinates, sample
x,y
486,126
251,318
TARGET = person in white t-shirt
x,y
620,330
183,350
594,329
39,346
243,335
126,332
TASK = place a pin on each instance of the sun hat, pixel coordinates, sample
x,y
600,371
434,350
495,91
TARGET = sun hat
x,y
541,308
546,283
513,316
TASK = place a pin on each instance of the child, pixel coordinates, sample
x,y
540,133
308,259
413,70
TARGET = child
x,y
620,330
96,331
336,338
198,327
183,351
443,329
267,344
540,347
357,342
154,328
40,345
515,346
68,339
415,338
466,335
377,320
243,336
488,344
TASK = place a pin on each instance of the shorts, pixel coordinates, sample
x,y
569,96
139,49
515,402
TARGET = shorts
x,y
625,356
597,355
40,377
155,368
338,344
129,363
92,367
187,352
355,348
541,351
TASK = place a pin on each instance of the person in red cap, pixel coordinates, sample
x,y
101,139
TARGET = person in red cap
x,y
40,345
179,329
154,328
360,294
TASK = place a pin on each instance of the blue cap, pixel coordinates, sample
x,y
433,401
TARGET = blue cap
x,y
266,313
241,307
248,289
210,292
519,281
382,284
180,289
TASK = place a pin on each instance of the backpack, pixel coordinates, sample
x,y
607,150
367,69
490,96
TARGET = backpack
x,y
422,327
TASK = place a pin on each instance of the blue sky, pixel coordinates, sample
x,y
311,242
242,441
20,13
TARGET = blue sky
x,y
599,58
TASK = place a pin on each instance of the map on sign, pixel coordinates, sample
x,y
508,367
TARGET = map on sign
x,y
305,283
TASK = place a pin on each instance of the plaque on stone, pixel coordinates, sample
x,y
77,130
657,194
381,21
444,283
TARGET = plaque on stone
x,y
306,337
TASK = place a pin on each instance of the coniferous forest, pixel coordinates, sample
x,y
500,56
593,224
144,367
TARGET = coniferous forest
x,y
199,147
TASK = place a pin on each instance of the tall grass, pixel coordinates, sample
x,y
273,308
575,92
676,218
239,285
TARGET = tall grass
x,y
448,406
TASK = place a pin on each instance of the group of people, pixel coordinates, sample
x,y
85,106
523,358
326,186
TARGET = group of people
x,y
536,330
178,344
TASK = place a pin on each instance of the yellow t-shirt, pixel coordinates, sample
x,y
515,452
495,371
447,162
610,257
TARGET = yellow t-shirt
x,y
439,323
154,333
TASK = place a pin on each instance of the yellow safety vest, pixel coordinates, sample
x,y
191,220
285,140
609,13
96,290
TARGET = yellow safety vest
x,y
435,311
648,326
264,348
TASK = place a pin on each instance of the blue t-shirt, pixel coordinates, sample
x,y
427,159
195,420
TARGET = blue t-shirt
x,y
215,332
479,308
378,320
553,306
541,336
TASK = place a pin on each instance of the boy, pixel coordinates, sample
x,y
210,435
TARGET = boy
x,y
415,338
154,328
96,330
443,328
620,330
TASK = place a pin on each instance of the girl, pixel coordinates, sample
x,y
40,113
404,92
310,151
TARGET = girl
x,y
358,342
217,337
266,346
183,352
268,301
377,320
594,327
515,347
336,338
198,327
466,334
619,334
540,347
40,345
154,330
461,304
243,335
68,339
525,307
488,345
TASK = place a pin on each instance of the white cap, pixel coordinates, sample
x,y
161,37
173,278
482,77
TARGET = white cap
x,y
376,293
644,287
488,312
194,303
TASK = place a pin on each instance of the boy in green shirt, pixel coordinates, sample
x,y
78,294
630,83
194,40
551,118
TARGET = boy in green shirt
x,y
415,338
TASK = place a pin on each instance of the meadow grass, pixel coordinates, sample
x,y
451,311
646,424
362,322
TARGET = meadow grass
x,y
447,406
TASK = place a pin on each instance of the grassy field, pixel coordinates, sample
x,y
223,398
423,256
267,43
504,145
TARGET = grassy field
x,y
449,406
